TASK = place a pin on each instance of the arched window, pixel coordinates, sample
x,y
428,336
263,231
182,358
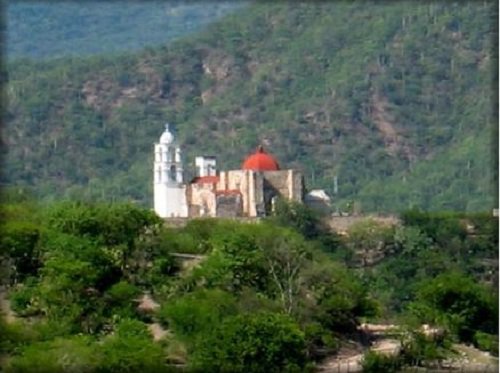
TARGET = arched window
x,y
173,173
171,154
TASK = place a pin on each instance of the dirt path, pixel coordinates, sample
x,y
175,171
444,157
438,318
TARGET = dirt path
x,y
343,363
471,359
149,305
5,308
157,331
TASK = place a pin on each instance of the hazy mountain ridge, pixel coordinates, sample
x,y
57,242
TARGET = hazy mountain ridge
x,y
393,99
48,30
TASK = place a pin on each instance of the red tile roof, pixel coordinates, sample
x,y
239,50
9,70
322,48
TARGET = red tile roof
x,y
206,180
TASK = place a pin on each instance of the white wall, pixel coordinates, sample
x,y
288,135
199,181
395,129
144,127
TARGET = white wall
x,y
206,166
170,200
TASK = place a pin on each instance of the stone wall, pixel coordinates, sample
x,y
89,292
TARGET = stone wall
x,y
277,182
249,184
341,224
296,185
229,205
201,200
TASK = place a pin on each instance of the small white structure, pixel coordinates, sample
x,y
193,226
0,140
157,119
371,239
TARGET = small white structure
x,y
206,166
318,200
169,189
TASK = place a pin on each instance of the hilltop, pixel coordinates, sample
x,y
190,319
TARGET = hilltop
x,y
395,99
48,30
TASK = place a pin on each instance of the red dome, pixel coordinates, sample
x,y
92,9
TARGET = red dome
x,y
260,161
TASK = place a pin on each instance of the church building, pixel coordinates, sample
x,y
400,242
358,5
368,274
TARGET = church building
x,y
248,192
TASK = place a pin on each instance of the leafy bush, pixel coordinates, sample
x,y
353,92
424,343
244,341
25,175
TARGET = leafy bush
x,y
418,348
238,261
62,355
374,362
14,335
337,299
197,312
112,224
319,340
19,243
131,349
439,226
161,271
23,298
458,303
121,299
299,217
262,342
122,293
486,342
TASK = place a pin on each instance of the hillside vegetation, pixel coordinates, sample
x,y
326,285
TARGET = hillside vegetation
x,y
395,99
275,296
48,30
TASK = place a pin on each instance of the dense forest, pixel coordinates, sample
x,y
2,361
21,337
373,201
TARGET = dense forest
x,y
275,296
394,99
75,28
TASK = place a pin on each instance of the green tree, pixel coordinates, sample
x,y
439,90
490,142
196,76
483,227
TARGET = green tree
x,y
297,216
237,261
285,259
458,303
131,349
19,247
369,239
336,298
262,342
197,313
61,355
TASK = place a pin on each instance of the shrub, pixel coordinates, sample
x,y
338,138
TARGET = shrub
x,y
262,342
197,312
74,354
486,342
120,299
417,348
458,303
13,335
22,298
131,349
374,362
19,242
122,293
319,341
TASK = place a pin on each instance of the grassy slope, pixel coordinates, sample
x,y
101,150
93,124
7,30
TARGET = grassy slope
x,y
395,99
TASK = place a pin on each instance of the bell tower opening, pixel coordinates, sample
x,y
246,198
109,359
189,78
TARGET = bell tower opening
x,y
172,175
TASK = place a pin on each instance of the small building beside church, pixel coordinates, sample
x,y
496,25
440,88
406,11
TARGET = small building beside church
x,y
250,191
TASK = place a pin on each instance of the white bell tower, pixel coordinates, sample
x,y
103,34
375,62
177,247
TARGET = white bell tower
x,y
169,189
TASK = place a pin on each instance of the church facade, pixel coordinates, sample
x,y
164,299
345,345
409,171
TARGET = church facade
x,y
248,192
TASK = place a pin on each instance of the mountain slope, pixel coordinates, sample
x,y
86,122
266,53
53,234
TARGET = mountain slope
x,y
48,30
394,99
